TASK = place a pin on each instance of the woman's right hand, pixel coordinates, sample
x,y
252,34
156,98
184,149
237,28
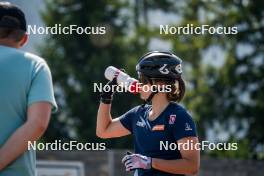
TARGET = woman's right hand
x,y
106,97
106,126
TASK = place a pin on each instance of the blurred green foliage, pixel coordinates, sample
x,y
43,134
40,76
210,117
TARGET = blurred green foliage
x,y
230,94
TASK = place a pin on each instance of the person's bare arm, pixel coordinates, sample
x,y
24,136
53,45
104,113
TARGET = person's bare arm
x,y
38,116
189,164
106,126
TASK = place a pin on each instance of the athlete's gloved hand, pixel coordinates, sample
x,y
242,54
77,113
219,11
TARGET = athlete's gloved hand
x,y
136,161
107,97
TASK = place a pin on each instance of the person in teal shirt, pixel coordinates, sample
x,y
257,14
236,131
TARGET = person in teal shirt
x,y
26,96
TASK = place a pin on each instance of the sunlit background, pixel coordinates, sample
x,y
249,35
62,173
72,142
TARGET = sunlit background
x,y
224,73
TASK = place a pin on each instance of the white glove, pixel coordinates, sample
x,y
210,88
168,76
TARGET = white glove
x,y
136,161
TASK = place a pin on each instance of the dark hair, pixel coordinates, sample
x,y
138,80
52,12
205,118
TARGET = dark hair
x,y
12,22
177,86
14,34
178,90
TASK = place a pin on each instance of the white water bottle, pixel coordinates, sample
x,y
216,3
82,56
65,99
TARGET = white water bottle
x,y
123,79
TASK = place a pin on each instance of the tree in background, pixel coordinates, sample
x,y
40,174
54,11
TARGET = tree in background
x,y
226,96
78,61
231,95
226,99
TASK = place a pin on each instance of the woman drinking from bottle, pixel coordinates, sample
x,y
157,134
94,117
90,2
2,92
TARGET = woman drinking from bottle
x,y
158,124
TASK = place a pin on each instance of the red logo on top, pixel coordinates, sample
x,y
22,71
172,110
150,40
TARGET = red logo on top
x,y
172,119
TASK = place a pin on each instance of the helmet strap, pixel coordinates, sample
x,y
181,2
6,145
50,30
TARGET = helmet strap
x,y
148,100
151,96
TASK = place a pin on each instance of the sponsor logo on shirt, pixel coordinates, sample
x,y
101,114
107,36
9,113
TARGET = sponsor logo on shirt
x,y
172,119
141,123
158,128
188,127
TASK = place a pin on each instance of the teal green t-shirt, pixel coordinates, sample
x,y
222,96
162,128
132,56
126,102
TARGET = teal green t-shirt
x,y
24,79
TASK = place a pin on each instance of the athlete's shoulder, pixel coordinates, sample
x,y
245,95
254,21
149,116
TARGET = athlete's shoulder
x,y
179,111
175,107
181,123
139,108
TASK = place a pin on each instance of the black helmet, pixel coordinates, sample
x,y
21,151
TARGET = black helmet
x,y
160,65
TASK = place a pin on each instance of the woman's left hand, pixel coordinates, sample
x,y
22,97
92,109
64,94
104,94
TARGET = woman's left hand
x,y
136,161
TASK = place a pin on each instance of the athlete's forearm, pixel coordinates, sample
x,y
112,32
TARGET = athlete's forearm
x,y
17,144
181,166
103,119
